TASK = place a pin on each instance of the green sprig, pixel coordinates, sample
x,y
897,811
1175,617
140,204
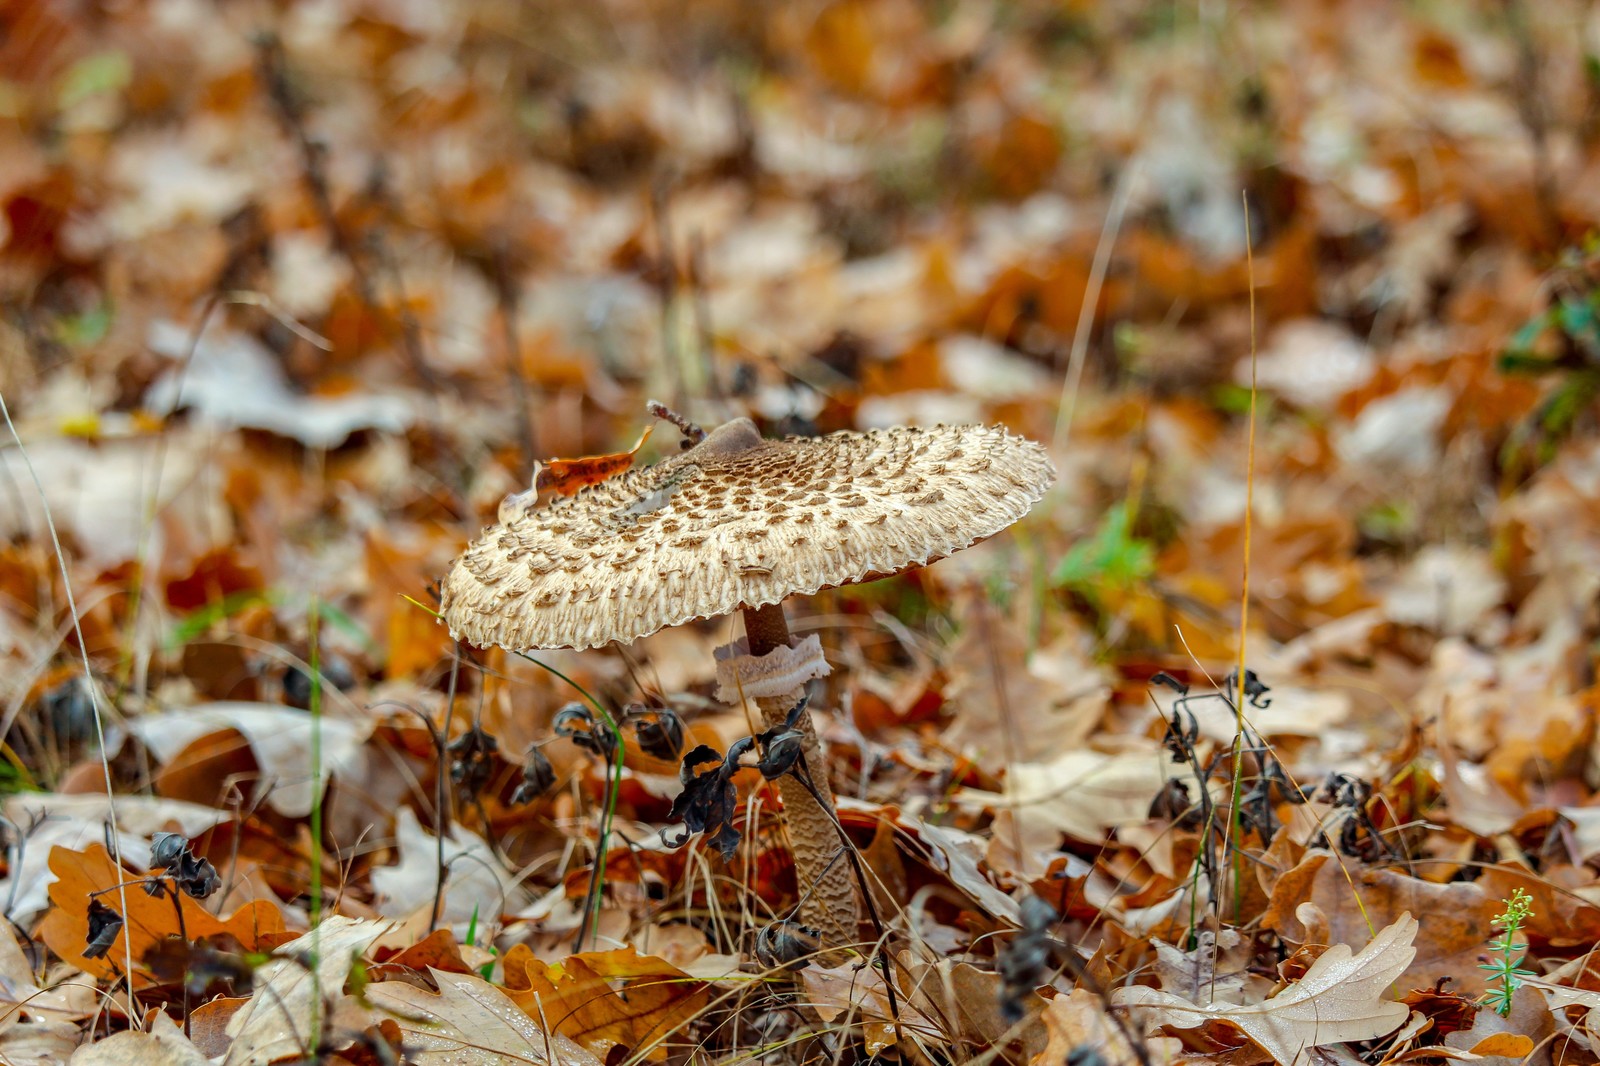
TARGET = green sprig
x,y
1506,963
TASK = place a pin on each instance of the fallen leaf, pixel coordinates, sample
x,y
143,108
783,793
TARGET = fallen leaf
x,y
855,995
76,821
231,379
47,1043
1080,1019
565,477
437,951
279,737
966,1001
163,1044
469,1023
1447,588
146,920
576,996
477,881
1081,793
1338,999
1356,900
287,1002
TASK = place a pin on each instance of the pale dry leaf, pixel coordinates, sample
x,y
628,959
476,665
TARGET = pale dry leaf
x,y
470,1022
1339,999
1079,1019
1586,829
955,853
1292,712
279,738
162,1045
856,995
1399,431
41,1042
101,494
17,986
287,1000
1081,793
967,1002
233,380
477,884
980,368
1447,588
1310,362
1215,969
73,821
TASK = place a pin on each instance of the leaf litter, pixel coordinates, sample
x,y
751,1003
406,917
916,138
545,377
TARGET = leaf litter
x,y
297,301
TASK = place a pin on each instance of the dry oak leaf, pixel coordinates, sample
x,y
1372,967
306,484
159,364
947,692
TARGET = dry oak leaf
x,y
576,998
1339,999
469,1023
966,1002
854,996
163,1045
289,1000
1513,1046
47,1043
1079,1019
1459,915
147,920
565,477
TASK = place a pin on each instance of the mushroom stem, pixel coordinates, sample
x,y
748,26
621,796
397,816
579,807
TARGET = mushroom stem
x,y
766,628
829,902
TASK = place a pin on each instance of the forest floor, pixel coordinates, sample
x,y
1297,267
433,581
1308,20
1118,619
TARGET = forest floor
x,y
1302,299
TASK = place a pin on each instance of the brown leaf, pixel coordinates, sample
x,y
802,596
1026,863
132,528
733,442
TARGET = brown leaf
x,y
287,1003
436,951
856,995
1080,1019
1356,901
576,997
469,1023
966,1001
1339,999
208,1024
163,1045
147,920
565,477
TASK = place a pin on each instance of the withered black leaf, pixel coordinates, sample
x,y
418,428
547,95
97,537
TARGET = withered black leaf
x,y
472,759
191,873
167,848
538,777
708,800
659,729
576,724
104,925
782,752
1024,964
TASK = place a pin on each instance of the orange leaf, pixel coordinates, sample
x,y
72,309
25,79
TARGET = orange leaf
x,y
565,477
576,998
148,920
438,950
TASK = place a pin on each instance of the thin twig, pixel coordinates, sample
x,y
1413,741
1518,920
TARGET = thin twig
x,y
94,692
1091,299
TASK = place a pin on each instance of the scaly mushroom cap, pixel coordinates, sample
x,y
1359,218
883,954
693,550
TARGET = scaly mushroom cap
x,y
737,521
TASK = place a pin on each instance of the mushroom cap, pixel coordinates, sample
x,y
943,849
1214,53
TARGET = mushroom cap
x,y
737,521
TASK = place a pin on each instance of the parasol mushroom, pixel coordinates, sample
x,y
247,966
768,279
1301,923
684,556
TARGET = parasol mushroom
x,y
736,522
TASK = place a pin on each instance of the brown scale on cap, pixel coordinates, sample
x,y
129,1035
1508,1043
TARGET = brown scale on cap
x,y
737,521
